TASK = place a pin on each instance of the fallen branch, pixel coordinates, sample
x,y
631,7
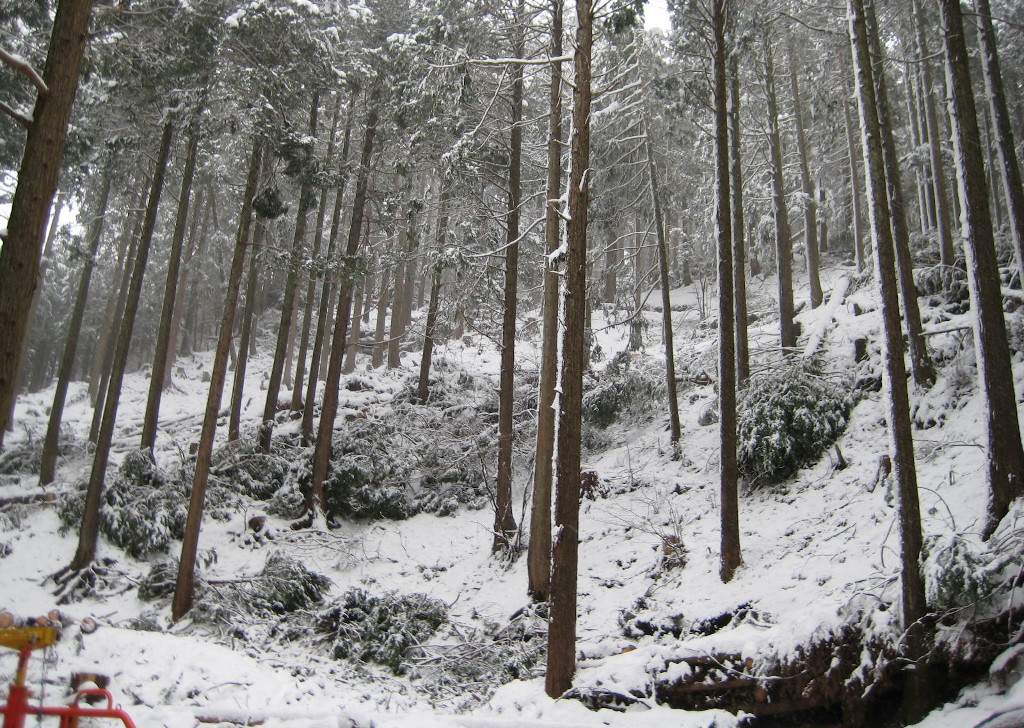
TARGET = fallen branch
x,y
25,499
834,302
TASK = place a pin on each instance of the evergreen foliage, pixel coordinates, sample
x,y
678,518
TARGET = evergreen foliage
x,y
380,629
788,417
629,386
142,512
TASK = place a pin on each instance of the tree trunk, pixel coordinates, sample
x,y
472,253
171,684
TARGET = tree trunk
x,y
739,258
728,468
248,315
423,387
86,551
156,379
1005,144
37,183
118,287
379,344
329,408
855,204
921,365
947,254
901,438
539,558
44,264
396,329
562,623
48,461
809,201
1005,455
288,302
783,246
504,522
186,277
666,293
184,588
317,360
352,345
307,317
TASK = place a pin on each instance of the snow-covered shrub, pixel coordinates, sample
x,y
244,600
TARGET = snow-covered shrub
x,y
257,474
142,511
368,478
628,386
480,663
10,521
944,284
286,585
787,418
159,581
283,587
954,571
380,628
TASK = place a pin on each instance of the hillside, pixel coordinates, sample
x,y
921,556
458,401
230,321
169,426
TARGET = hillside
x,y
818,582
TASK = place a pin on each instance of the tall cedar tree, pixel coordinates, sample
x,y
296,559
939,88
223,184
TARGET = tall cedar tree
x,y
539,561
931,118
562,621
329,408
288,302
184,589
783,246
728,468
48,460
163,334
504,522
739,257
37,184
807,202
1005,146
666,292
89,533
914,605
1005,455
310,297
921,367
317,358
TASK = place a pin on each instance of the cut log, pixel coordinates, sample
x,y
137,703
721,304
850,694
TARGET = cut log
x,y
825,317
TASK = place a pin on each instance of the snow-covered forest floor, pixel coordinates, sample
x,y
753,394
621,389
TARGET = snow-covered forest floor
x,y
820,550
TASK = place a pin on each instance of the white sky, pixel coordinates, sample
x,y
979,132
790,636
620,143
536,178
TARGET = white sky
x,y
656,15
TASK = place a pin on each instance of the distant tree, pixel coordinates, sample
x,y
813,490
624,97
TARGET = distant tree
x,y
728,468
783,246
89,533
184,588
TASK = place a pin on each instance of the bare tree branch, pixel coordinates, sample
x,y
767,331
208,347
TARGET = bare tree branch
x,y
17,115
20,64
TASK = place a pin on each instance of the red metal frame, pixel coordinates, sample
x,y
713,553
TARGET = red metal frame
x,y
18,707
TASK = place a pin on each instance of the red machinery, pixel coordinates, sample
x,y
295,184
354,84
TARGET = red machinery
x,y
24,640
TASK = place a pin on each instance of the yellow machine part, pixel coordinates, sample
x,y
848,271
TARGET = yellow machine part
x,y
37,637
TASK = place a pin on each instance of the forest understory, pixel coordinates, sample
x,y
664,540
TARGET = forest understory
x,y
398,606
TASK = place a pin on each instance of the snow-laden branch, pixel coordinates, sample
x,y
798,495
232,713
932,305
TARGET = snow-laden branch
x,y
20,64
547,60
16,115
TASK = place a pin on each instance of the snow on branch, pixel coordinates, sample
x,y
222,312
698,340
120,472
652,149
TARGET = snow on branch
x,y
16,115
20,64
547,60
